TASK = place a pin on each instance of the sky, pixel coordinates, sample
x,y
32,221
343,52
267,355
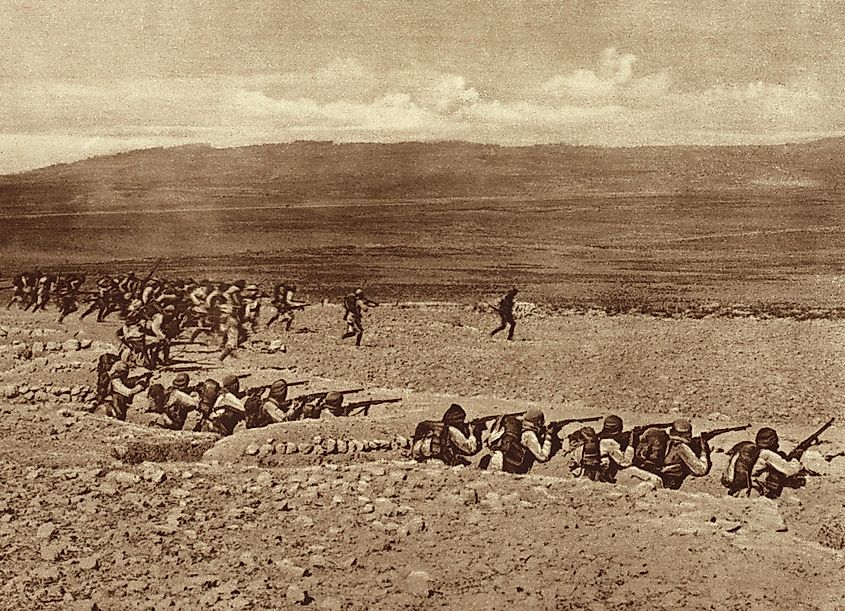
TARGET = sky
x,y
87,77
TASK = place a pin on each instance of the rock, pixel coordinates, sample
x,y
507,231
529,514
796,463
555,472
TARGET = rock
x,y
53,346
90,563
84,344
71,345
266,450
123,478
291,570
153,473
10,391
415,525
41,396
303,522
305,448
384,507
341,446
330,445
295,595
330,604
38,348
418,583
46,530
368,508
292,448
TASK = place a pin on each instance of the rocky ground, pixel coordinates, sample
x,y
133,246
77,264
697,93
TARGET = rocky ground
x,y
330,514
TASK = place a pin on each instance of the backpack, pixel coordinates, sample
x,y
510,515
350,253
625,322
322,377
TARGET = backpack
x,y
743,456
651,450
104,365
253,414
435,430
506,437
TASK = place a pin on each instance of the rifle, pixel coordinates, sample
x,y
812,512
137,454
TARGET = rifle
x,y
322,395
486,419
799,450
556,425
708,435
150,275
145,377
260,389
364,406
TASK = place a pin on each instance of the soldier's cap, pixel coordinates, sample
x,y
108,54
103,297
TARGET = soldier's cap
x,y
232,289
612,425
240,284
170,309
587,432
181,381
279,388
120,367
682,426
333,399
534,415
229,381
767,438
455,414
251,288
513,291
359,291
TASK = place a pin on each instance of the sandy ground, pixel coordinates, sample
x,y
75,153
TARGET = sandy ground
x,y
251,525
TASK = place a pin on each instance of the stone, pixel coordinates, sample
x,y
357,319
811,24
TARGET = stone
x,y
295,595
384,507
10,391
341,446
418,583
53,346
415,525
123,478
153,473
305,448
38,348
368,508
291,570
266,450
292,448
330,604
46,530
84,344
330,445
89,563
71,345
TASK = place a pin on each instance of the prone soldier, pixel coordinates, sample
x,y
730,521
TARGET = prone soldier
x,y
450,439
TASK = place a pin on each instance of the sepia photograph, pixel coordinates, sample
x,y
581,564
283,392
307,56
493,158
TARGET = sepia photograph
x,y
355,305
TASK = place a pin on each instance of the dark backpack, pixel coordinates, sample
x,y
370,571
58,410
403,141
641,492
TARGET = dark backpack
x,y
253,416
434,430
104,365
651,450
747,453
506,433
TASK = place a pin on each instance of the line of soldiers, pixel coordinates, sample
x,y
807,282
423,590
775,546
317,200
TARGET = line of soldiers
x,y
155,311
219,407
664,454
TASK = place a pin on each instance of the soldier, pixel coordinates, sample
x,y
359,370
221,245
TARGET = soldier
x,y
158,335
122,391
681,461
601,456
520,442
24,285
285,305
272,410
43,288
251,306
230,327
352,304
505,311
758,468
228,409
449,439
173,404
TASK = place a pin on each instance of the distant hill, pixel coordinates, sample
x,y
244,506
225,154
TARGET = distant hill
x,y
202,176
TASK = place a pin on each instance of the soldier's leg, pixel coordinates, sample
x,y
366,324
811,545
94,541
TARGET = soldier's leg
x,y
288,320
512,324
501,327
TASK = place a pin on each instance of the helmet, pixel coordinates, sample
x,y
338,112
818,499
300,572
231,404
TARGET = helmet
x,y
767,438
454,415
682,427
181,381
359,291
170,309
279,390
535,416
513,292
230,382
333,399
611,426
156,393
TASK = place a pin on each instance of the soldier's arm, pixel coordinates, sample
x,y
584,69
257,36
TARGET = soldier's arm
x,y
611,449
541,452
697,466
465,445
774,460
122,389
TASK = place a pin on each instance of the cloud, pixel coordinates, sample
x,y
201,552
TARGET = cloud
x,y
608,103
614,78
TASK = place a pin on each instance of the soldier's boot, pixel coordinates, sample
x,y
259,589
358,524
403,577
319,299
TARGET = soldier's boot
x,y
358,338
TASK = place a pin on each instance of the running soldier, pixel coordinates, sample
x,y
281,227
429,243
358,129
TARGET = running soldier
x,y
505,311
353,305
449,440
285,305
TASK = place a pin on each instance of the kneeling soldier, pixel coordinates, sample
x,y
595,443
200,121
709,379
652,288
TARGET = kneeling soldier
x,y
449,439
